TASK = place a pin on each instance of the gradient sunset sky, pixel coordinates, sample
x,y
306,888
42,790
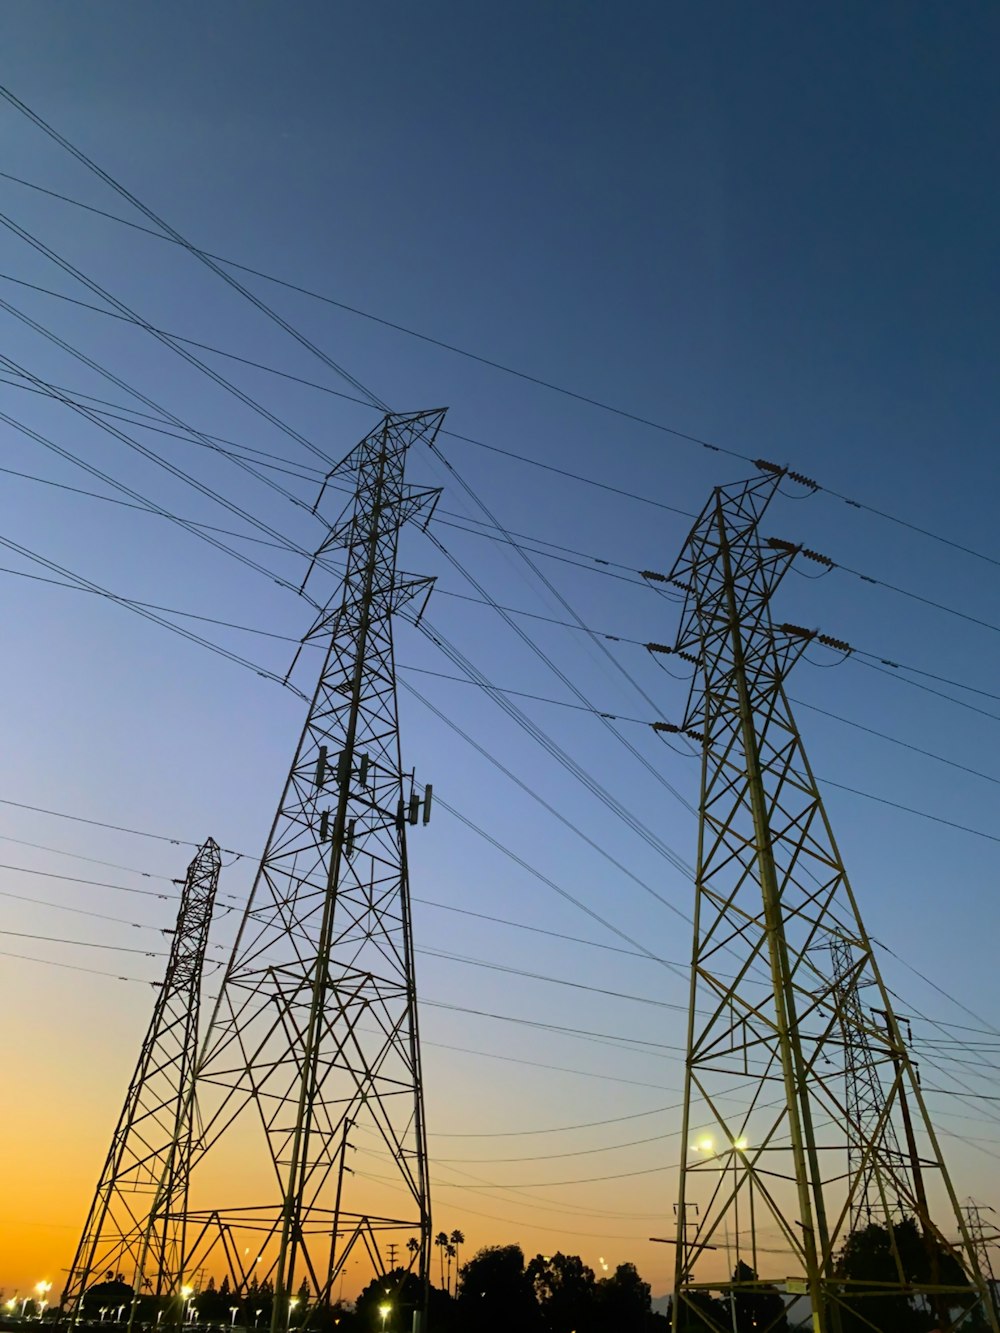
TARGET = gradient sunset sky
x,y
767,226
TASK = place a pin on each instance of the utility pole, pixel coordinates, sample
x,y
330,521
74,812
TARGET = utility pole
x,y
766,1115
135,1224
315,1035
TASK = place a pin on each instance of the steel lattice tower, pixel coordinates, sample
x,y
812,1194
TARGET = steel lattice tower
x,y
135,1223
765,1113
865,1096
315,1033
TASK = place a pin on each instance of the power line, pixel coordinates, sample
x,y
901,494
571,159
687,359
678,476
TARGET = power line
x,y
442,517
551,1129
522,375
90,586
535,930
181,240
82,944
97,823
894,740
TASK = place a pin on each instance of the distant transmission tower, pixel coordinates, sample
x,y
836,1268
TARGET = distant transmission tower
x,y
866,1119
314,1034
985,1238
766,1114
134,1226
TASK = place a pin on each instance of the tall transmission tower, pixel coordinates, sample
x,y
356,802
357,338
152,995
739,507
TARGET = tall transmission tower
x,y
764,1146
314,1034
134,1226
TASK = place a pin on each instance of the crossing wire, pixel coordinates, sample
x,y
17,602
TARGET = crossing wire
x,y
181,240
562,390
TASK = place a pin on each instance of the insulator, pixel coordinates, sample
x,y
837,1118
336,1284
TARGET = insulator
x,y
765,466
324,825
664,726
400,811
414,810
835,643
363,771
696,735
778,544
321,766
679,583
803,481
428,797
817,556
798,631
659,648
652,574
344,767
349,845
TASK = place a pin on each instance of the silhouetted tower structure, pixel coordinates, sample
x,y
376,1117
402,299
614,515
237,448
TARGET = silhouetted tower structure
x,y
765,1113
985,1238
135,1223
309,1082
865,1096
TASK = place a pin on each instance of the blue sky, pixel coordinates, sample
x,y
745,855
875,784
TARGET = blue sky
x,y
766,227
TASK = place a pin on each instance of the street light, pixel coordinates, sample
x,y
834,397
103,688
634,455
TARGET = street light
x,y
291,1306
233,1311
256,1317
384,1311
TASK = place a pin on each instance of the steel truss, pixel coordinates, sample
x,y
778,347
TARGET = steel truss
x,y
135,1223
772,1143
315,1029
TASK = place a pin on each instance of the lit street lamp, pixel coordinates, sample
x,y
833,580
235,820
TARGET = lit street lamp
x,y
233,1312
384,1311
291,1306
256,1317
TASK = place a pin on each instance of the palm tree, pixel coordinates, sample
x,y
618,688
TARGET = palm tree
x,y
413,1245
441,1240
451,1252
458,1240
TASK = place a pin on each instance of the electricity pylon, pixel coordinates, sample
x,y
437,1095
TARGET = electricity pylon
x,y
865,1096
984,1242
314,1033
135,1223
766,1122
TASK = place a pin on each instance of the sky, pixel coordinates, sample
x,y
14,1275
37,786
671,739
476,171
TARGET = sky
x,y
764,227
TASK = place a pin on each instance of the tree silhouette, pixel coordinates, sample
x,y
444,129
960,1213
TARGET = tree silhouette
x,y
450,1252
441,1240
495,1294
760,1308
564,1289
623,1301
458,1240
413,1245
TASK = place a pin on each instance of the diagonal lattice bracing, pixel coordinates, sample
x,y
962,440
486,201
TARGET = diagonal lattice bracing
x,y
135,1223
309,1081
790,1136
